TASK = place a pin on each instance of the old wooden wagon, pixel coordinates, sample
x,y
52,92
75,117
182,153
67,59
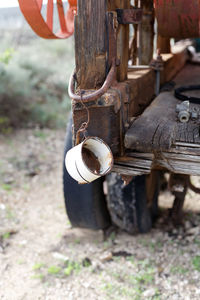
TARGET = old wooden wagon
x,y
136,86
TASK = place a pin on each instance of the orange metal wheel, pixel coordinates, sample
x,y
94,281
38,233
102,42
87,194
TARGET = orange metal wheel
x,y
32,11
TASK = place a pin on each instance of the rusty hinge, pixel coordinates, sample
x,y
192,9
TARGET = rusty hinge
x,y
129,16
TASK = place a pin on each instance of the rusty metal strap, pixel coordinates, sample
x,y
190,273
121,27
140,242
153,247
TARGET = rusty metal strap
x,y
98,93
129,16
31,10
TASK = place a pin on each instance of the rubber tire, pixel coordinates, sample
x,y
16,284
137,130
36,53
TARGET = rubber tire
x,y
128,204
85,204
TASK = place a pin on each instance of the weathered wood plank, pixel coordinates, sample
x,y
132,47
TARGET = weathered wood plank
x,y
183,157
129,171
136,162
147,32
139,96
90,43
163,44
138,78
176,166
153,130
158,128
122,40
173,63
173,162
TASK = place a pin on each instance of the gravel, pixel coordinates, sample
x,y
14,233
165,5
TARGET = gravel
x,y
42,257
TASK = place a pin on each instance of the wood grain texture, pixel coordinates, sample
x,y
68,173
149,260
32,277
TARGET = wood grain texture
x,y
158,128
141,82
138,163
90,43
122,40
173,63
140,97
147,32
163,44
154,129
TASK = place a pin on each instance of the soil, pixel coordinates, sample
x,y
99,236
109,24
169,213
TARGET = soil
x,y
91,160
42,257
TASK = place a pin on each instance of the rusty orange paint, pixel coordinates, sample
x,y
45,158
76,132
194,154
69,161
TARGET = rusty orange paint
x,y
178,18
72,2
31,10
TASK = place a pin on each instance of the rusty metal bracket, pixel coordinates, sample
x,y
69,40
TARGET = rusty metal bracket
x,y
129,16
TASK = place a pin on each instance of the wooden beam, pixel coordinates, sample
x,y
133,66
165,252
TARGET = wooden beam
x,y
163,44
122,40
147,32
158,129
173,162
90,43
173,63
139,77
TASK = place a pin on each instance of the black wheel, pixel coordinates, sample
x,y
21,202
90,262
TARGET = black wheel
x,y
134,206
85,204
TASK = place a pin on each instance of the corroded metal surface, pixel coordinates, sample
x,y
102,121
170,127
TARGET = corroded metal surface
x,y
178,18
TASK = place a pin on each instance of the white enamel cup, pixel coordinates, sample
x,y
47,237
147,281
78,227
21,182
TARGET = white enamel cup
x,y
78,168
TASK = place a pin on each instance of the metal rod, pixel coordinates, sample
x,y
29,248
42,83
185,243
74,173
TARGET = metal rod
x,y
157,87
98,93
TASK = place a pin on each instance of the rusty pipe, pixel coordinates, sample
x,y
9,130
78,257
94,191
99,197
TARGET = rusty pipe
x,y
98,93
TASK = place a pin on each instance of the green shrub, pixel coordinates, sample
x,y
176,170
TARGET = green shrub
x,y
33,84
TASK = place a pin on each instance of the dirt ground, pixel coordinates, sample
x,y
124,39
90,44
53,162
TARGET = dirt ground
x,y
42,257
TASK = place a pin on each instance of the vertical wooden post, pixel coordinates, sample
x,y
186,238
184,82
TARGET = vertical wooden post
x,y
133,49
163,44
147,32
90,43
122,40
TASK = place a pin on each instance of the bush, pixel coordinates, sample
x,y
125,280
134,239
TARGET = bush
x,y
33,84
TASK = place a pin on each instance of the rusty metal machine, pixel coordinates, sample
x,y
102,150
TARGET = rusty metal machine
x,y
136,90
